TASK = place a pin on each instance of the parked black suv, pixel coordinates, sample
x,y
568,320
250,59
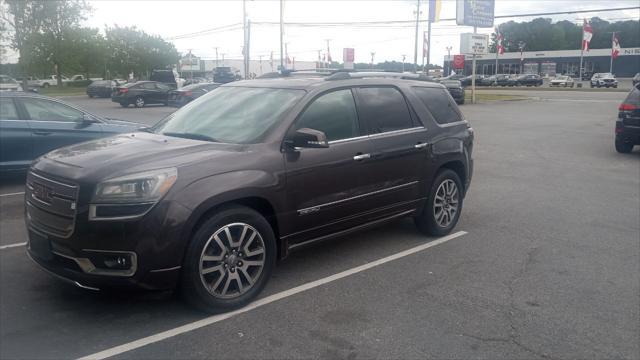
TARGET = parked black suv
x,y
529,80
209,198
628,123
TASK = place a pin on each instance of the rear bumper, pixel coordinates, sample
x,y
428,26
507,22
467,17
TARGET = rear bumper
x,y
627,133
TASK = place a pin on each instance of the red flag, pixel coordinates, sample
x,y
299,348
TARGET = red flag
x,y
499,46
615,46
587,34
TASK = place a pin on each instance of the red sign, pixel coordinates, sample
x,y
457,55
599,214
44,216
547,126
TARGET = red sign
x,y
458,61
348,54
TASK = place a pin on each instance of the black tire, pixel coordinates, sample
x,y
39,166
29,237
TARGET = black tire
x,y
45,85
427,221
139,102
623,147
192,287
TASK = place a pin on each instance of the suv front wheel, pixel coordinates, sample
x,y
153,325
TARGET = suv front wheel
x,y
229,260
443,207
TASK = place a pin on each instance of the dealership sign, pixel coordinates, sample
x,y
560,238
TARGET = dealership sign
x,y
458,61
474,44
475,12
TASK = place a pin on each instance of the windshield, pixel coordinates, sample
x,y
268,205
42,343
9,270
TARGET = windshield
x,y
230,114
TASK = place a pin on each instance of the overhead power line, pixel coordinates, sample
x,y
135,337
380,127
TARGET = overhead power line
x,y
384,23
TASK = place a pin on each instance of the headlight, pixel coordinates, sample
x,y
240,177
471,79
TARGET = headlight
x,y
131,195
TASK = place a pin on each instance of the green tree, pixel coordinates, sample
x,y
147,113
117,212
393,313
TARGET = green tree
x,y
133,50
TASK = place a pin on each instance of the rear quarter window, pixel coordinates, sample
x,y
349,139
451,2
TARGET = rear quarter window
x,y
440,104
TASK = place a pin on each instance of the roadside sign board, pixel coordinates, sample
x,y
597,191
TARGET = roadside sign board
x,y
348,55
474,44
475,12
458,61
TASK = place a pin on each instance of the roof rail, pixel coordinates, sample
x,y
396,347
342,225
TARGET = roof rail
x,y
301,72
344,75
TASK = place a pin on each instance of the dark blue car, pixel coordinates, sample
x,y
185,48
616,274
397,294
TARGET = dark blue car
x,y
32,125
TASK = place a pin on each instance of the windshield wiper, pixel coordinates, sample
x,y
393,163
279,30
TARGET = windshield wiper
x,y
191,136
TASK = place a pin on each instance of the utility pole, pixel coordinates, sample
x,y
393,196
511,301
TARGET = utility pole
x,y
403,57
245,49
428,45
415,52
216,48
372,56
449,48
248,49
328,54
223,54
281,35
260,57
286,54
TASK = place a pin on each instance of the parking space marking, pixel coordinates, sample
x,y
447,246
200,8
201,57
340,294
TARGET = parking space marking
x,y
117,350
12,245
11,194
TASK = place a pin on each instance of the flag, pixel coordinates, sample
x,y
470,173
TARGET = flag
x,y
499,47
425,44
587,34
434,10
615,46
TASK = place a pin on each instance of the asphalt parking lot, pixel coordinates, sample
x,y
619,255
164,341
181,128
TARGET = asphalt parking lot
x,y
545,265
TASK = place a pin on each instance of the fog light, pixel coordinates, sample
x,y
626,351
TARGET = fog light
x,y
117,262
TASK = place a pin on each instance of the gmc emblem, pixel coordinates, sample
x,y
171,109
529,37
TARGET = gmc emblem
x,y
42,193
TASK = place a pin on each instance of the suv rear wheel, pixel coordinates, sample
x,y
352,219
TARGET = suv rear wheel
x,y
229,260
444,205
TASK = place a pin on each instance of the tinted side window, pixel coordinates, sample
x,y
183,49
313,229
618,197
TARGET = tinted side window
x,y
148,86
45,110
384,108
8,109
439,104
334,114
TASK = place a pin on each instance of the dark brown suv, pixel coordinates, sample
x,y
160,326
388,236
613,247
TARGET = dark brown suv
x,y
212,196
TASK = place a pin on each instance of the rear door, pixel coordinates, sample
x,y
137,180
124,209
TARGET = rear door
x,y
54,125
162,93
324,186
400,156
16,146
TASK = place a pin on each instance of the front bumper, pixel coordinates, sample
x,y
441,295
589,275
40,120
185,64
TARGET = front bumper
x,y
144,253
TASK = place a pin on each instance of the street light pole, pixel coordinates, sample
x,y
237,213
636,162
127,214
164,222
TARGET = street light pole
x,y
281,35
521,46
372,55
415,52
403,57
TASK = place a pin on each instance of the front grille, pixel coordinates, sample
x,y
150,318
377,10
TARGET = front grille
x,y
51,205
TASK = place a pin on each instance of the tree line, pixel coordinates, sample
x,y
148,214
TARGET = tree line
x,y
543,34
49,39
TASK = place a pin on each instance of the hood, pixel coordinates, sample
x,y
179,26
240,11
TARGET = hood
x,y
134,152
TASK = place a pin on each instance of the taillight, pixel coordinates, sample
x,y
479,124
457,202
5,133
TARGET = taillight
x,y
124,91
627,107
187,93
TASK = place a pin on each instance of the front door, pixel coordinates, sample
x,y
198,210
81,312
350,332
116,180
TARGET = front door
x,y
54,125
16,147
324,186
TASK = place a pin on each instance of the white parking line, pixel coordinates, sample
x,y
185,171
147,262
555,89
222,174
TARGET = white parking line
x,y
261,302
11,194
12,245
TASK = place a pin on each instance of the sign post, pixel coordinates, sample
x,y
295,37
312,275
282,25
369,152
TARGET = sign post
x,y
476,13
474,44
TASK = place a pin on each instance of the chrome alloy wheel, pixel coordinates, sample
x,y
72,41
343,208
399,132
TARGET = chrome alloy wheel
x,y
232,260
445,204
139,102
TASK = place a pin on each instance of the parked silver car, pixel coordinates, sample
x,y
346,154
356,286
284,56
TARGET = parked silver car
x,y
563,80
7,83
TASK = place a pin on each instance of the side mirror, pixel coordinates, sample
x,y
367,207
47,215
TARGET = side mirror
x,y
88,119
309,138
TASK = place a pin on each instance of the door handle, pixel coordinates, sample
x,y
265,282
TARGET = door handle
x,y
361,157
42,133
421,145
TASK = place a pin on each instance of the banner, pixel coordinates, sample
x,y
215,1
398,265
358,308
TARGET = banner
x,y
587,34
615,46
458,61
434,10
